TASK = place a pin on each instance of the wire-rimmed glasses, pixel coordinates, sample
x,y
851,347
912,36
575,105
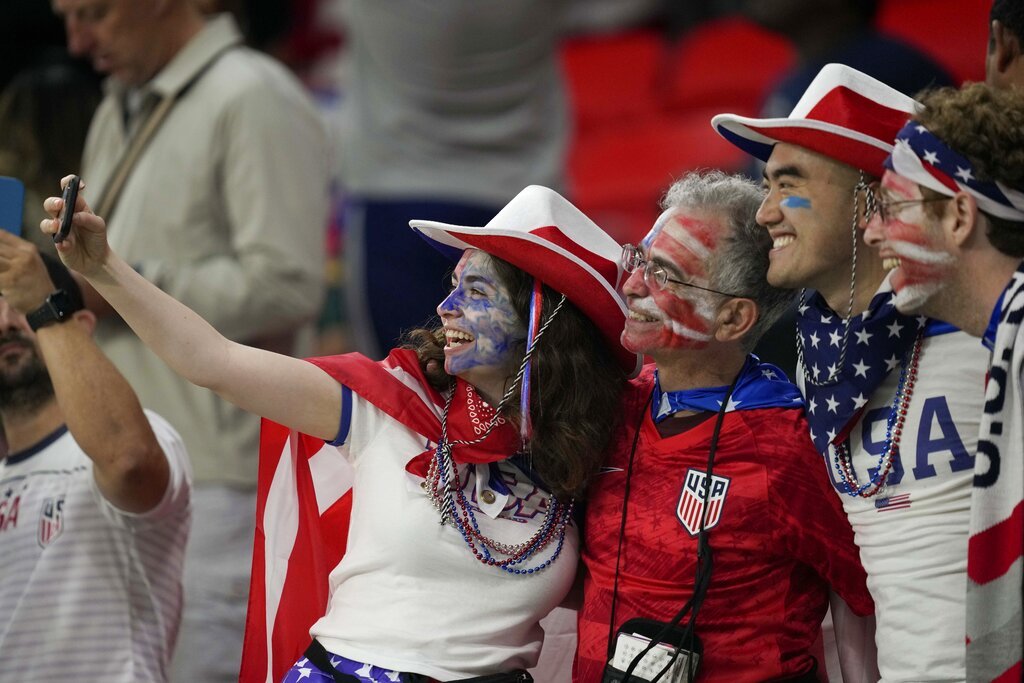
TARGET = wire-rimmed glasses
x,y
655,275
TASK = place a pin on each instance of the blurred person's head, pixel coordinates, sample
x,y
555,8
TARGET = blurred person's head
x,y
797,19
1004,63
44,115
952,209
698,278
130,40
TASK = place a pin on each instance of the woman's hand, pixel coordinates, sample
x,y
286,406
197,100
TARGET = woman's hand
x,y
85,248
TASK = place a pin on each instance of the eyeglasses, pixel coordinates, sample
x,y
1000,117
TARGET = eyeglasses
x,y
655,275
887,210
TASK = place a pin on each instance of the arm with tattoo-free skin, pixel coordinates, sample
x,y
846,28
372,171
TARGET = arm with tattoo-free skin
x,y
287,390
94,400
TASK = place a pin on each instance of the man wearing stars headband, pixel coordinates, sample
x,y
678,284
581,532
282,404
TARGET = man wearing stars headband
x,y
952,230
893,401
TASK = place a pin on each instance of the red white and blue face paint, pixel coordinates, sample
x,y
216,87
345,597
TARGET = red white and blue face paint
x,y
481,326
674,316
912,245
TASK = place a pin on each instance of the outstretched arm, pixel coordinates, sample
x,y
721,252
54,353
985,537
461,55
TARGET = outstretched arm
x,y
287,390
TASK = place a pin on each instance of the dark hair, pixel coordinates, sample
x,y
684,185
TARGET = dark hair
x,y
62,279
44,115
575,391
1009,13
986,125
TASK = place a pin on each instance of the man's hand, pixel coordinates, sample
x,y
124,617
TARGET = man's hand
x,y
24,281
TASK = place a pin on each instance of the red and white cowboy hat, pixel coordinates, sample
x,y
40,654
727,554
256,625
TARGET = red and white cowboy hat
x,y
844,114
541,233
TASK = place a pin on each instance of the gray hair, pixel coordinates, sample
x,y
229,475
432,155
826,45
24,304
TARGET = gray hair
x,y
740,263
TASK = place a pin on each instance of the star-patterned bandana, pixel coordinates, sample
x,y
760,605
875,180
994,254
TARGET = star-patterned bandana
x,y
879,340
760,385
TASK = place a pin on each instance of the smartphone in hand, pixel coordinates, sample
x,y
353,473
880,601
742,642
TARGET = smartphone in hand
x,y
67,209
12,204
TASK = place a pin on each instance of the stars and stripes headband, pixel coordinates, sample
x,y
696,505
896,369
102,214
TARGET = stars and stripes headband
x,y
920,156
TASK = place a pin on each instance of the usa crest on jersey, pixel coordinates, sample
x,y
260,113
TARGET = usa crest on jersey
x,y
51,520
691,500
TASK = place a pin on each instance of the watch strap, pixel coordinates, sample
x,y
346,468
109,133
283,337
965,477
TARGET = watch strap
x,y
56,309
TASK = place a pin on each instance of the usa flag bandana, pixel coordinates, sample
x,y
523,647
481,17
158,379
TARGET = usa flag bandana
x,y
878,341
760,385
922,157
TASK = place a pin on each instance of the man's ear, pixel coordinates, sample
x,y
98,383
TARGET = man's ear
x,y
1005,50
85,318
734,320
963,219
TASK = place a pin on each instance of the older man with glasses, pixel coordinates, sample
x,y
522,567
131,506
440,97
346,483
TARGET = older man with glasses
x,y
713,526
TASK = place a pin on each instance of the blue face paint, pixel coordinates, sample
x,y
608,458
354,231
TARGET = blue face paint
x,y
481,325
795,203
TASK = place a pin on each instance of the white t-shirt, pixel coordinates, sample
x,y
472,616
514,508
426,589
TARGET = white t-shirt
x,y
913,534
88,592
409,595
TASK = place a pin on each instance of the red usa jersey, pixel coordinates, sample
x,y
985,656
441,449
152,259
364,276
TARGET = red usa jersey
x,y
777,531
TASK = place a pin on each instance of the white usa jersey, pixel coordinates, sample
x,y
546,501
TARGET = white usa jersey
x,y
913,533
88,592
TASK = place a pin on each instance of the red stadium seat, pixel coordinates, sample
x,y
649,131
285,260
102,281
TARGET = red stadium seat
x,y
611,79
952,32
727,64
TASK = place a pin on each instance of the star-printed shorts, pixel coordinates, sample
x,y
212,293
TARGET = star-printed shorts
x,y
304,671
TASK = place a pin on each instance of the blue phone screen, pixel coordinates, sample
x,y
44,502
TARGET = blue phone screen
x,y
12,204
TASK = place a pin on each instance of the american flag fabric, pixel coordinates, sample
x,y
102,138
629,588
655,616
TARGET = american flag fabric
x,y
759,385
995,548
922,157
877,342
304,502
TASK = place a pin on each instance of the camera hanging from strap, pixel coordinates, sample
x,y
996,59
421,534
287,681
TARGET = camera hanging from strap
x,y
674,641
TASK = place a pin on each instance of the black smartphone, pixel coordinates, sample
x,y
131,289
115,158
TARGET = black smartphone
x,y
67,209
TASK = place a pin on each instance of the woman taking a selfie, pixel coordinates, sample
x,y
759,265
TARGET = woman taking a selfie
x,y
468,448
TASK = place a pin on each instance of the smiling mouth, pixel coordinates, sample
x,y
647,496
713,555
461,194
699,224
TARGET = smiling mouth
x,y
456,338
640,317
782,241
891,262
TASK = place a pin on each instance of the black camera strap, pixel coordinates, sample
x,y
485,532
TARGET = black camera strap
x,y
705,561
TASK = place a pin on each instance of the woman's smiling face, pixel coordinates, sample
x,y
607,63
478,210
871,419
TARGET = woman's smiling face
x,y
482,328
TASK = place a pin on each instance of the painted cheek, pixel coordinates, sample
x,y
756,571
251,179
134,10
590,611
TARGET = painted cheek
x,y
794,202
923,260
686,324
495,333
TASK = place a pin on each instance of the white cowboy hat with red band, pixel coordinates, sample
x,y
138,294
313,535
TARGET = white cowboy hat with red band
x,y
844,114
541,233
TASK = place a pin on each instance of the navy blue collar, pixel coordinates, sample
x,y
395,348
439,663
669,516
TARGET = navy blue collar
x,y
21,456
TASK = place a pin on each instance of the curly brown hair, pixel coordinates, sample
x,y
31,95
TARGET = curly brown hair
x,y
985,125
574,397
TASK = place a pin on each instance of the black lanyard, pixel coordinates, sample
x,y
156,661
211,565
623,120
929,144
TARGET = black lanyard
x,y
704,556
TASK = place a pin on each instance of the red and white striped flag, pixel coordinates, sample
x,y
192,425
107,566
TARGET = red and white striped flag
x,y
304,502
